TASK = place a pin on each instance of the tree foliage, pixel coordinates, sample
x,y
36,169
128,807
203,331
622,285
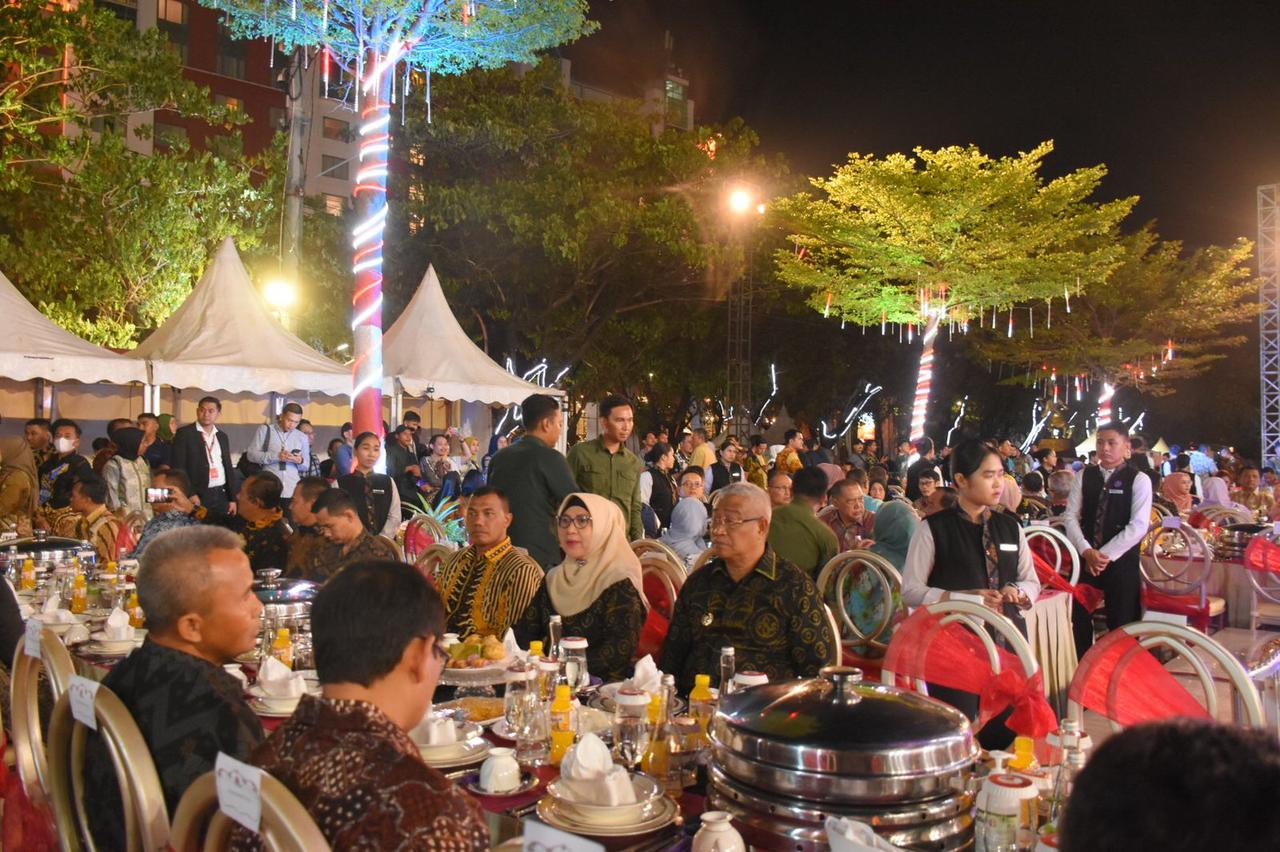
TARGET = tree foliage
x,y
1119,329
972,231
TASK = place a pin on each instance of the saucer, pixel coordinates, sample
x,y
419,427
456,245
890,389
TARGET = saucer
x,y
528,782
557,816
473,751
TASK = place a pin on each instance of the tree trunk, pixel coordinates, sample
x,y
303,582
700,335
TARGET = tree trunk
x,y
924,379
299,102
371,211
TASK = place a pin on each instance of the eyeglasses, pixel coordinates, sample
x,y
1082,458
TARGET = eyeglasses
x,y
579,521
437,647
731,523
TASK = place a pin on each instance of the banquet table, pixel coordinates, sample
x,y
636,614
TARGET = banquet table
x,y
1228,579
1049,633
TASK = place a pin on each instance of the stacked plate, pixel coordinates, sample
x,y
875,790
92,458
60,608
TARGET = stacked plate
x,y
469,748
651,811
280,708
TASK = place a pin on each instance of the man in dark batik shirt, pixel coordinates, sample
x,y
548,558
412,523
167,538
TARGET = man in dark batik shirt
x,y
261,522
197,591
346,755
749,598
305,541
340,524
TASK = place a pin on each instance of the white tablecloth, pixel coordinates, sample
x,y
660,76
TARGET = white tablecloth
x,y
1228,580
1049,632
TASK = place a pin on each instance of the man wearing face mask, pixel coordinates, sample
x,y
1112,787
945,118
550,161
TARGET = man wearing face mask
x,y
63,468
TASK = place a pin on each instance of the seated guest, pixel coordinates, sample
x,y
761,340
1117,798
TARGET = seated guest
x,y
348,540
38,433
944,497
1250,494
19,486
375,494
305,541
795,532
261,521
61,468
1060,482
1179,786
347,755
1033,485
780,488
847,516
197,591
877,487
104,453
687,535
596,590
177,511
89,519
749,597
327,466
127,473
896,522
1034,500
487,585
929,482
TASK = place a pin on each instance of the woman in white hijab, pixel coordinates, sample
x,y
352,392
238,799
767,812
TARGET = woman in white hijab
x,y
687,534
1216,493
597,590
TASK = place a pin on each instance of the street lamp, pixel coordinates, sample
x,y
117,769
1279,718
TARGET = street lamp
x,y
280,296
740,200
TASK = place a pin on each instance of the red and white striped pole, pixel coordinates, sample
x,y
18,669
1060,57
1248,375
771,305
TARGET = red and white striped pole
x,y
924,378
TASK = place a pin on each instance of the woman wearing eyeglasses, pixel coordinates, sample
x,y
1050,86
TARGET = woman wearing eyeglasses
x,y
596,590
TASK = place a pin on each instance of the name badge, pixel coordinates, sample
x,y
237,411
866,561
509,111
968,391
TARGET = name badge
x,y
378,491
1116,490
1010,548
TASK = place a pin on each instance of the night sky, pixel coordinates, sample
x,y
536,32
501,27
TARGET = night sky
x,y
1181,100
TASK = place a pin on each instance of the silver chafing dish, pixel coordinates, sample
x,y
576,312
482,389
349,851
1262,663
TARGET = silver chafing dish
x,y
787,755
285,603
1234,538
48,548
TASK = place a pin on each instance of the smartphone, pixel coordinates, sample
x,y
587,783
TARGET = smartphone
x,y
159,495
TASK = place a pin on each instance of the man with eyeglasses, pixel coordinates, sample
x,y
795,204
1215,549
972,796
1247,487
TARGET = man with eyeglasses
x,y
747,597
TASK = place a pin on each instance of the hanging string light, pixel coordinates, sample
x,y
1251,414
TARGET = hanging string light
x,y
1104,402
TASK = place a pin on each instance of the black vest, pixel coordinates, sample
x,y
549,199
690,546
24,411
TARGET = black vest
x,y
381,484
1119,503
662,499
959,563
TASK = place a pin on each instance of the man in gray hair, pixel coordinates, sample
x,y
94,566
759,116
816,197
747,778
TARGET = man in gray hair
x,y
1060,482
749,598
196,589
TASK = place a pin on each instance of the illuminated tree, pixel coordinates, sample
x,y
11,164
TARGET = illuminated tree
x,y
942,236
382,45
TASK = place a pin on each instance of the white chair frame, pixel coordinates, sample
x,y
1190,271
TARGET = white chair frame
x,y
1062,546
833,582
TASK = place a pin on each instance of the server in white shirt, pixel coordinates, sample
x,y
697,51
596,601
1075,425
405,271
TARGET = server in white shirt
x,y
282,450
976,548
1108,514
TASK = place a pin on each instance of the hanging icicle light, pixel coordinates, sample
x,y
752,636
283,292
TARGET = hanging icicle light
x,y
1010,322
1104,403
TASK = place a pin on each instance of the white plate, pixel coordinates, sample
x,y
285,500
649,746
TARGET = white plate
x,y
96,649
269,712
590,721
603,699
115,646
528,782
473,751
491,675
550,812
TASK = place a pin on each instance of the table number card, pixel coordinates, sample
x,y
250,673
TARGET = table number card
x,y
31,637
1173,522
84,693
540,837
239,791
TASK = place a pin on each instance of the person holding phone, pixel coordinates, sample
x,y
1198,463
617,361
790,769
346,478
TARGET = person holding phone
x,y
282,450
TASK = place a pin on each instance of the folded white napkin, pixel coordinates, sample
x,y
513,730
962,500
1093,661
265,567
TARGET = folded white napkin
x,y
512,648
591,777
849,835
54,614
236,672
435,730
278,681
26,610
118,627
647,676
76,633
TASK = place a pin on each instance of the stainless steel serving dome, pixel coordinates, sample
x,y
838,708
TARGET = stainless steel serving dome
x,y
789,754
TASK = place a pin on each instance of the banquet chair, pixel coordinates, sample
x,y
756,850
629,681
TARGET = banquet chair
x,y
1054,545
1184,642
984,622
1037,508
286,826
24,704
146,820
430,559
420,532
1224,515
703,559
1176,566
837,651
127,539
863,641
662,582
1266,586
652,547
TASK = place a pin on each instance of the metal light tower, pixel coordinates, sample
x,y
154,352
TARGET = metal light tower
x,y
1269,319
743,207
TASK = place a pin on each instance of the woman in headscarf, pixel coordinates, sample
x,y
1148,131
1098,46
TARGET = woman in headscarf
x,y
597,590
687,534
19,486
896,522
1010,495
1217,493
128,474
1175,490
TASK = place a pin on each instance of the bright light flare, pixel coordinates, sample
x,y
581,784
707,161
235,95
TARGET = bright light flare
x,y
740,200
280,294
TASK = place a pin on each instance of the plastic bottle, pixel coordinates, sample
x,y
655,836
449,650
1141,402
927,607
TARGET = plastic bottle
x,y
702,704
655,762
555,631
79,594
728,666
282,647
535,650
1024,755
29,575
136,618
562,732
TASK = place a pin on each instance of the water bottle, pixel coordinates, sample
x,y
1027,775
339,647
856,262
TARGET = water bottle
x,y
555,631
727,670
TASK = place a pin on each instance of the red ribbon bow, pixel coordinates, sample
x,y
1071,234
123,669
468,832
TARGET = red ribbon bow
x,y
1032,716
1089,597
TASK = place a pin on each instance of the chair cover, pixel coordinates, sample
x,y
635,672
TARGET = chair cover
x,y
1124,682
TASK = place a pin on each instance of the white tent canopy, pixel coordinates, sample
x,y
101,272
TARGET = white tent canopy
x,y
224,338
430,355
35,347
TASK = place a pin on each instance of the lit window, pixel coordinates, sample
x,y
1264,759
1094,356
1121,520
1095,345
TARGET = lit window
x,y
233,104
334,167
171,18
277,118
334,204
417,157
336,129
172,11
415,192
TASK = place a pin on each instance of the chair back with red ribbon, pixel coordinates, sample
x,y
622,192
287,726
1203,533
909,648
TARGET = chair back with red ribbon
x,y
1176,565
951,644
1121,680
1262,559
863,591
1089,597
662,582
1057,550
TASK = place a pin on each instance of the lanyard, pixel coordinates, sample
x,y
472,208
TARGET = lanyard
x,y
209,442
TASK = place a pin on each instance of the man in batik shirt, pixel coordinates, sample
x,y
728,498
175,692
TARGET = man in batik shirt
x,y
349,541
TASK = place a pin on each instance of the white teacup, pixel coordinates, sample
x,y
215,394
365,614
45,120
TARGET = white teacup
x,y
500,773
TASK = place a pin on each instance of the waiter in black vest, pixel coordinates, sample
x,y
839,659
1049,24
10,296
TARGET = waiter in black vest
x,y
1108,514
976,549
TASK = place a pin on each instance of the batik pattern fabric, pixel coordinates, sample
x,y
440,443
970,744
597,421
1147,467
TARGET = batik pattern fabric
x,y
363,781
611,626
329,560
487,592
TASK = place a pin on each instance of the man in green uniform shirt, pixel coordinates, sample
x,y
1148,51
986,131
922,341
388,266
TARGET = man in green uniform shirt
x,y
796,534
606,467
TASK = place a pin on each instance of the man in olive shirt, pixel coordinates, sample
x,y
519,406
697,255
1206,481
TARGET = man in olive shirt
x,y
604,466
796,534
536,479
